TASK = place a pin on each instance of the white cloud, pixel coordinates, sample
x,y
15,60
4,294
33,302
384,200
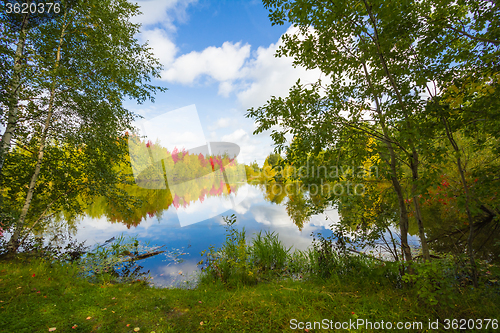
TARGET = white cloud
x,y
220,63
225,88
157,21
220,123
161,45
238,130
271,215
252,77
251,147
271,76
164,12
237,136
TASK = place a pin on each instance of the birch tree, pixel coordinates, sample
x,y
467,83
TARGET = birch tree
x,y
89,61
19,27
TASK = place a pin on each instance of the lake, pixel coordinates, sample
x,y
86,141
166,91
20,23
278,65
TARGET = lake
x,y
254,211
182,225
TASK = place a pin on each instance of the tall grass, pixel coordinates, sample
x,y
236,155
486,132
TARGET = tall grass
x,y
266,258
268,253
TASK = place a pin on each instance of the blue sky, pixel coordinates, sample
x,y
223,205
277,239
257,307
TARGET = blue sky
x,y
218,55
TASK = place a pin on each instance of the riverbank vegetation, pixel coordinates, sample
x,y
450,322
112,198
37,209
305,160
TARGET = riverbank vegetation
x,y
245,286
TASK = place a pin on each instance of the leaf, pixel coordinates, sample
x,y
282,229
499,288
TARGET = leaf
x,y
137,329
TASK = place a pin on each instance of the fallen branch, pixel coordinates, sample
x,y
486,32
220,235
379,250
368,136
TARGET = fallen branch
x,y
366,255
144,256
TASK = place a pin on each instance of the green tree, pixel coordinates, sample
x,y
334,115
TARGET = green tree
x,y
346,42
88,61
16,52
469,102
380,57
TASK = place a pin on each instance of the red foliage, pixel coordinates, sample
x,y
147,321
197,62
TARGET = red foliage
x,y
175,155
202,160
212,163
176,202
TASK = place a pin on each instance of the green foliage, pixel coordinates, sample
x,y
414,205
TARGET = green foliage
x,y
412,69
77,69
237,262
329,257
323,257
433,282
274,160
267,259
440,281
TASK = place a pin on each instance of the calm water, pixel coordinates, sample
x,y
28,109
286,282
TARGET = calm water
x,y
250,204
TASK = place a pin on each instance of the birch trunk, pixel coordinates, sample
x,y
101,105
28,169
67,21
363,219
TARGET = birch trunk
x,y
14,240
14,91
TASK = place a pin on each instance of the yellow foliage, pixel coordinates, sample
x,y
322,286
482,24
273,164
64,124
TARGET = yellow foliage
x,y
371,161
454,96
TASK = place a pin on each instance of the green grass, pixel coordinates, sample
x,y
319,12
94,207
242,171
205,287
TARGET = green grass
x,y
56,297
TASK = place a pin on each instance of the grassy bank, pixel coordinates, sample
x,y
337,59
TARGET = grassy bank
x,y
36,296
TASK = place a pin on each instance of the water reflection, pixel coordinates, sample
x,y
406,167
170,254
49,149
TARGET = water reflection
x,y
158,222
192,201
